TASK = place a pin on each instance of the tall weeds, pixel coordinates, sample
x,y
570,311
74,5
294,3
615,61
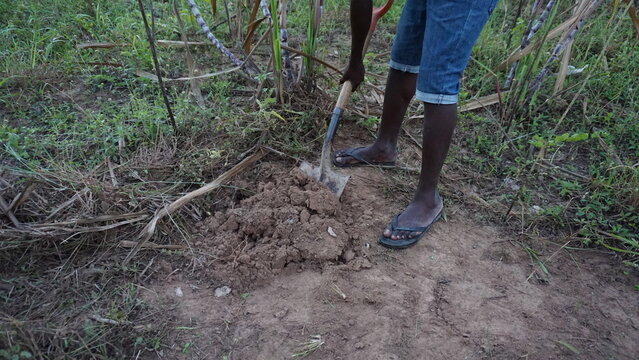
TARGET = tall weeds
x,y
312,29
277,51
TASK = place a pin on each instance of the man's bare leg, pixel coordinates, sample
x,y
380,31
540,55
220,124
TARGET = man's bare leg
x,y
439,125
400,88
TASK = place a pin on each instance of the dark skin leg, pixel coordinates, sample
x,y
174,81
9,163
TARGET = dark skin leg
x,y
400,88
439,125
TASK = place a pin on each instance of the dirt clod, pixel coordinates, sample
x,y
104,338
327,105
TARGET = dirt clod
x,y
284,223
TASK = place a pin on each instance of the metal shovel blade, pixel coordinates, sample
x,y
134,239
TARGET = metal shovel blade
x,y
335,181
325,173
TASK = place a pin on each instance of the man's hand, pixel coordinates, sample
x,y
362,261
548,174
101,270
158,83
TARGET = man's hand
x,y
361,12
354,73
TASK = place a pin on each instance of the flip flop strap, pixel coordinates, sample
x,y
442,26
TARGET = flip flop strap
x,y
351,153
395,227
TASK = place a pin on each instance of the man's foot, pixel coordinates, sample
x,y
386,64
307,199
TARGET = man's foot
x,y
418,214
366,155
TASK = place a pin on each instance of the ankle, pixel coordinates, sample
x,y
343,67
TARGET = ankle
x,y
385,148
429,199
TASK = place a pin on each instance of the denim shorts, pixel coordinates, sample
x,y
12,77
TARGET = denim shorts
x,y
434,40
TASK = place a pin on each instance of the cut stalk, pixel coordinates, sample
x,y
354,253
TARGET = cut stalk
x,y
250,28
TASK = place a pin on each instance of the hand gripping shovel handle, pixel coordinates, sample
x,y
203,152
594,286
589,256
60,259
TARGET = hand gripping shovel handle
x,y
347,87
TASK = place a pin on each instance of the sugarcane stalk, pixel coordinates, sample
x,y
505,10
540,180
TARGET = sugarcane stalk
x,y
266,11
207,31
532,28
287,71
561,46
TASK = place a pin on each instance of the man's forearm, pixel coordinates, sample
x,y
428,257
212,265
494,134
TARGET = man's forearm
x,y
361,12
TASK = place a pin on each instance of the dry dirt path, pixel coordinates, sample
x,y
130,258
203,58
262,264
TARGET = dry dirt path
x,y
464,292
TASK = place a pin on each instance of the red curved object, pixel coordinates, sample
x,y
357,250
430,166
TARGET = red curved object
x,y
378,12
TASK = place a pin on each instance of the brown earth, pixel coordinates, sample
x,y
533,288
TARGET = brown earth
x,y
302,264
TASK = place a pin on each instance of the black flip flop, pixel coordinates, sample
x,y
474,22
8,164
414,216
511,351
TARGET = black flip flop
x,y
404,243
362,162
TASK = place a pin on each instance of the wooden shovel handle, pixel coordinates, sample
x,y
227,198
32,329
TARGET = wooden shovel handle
x,y
344,95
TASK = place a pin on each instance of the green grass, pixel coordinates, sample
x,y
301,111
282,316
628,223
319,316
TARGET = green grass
x,y
597,139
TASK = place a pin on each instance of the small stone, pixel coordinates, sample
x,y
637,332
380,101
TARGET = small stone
x,y
351,322
331,232
359,345
178,292
536,209
222,291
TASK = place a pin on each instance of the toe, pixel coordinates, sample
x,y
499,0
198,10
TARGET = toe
x,y
387,233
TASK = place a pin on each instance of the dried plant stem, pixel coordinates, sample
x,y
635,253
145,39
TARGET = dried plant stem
x,y
634,17
152,77
156,64
583,85
149,229
150,245
252,25
563,69
314,58
228,18
4,207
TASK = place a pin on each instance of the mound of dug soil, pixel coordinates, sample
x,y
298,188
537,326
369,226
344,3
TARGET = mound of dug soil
x,y
291,219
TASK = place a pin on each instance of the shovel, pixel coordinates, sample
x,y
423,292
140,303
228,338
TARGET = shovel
x,y
325,173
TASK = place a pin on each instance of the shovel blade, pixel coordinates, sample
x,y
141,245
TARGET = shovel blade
x,y
335,181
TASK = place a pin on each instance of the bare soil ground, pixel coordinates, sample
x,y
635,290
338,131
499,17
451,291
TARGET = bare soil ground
x,y
301,264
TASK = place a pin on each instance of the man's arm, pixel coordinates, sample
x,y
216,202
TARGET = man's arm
x,y
361,12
